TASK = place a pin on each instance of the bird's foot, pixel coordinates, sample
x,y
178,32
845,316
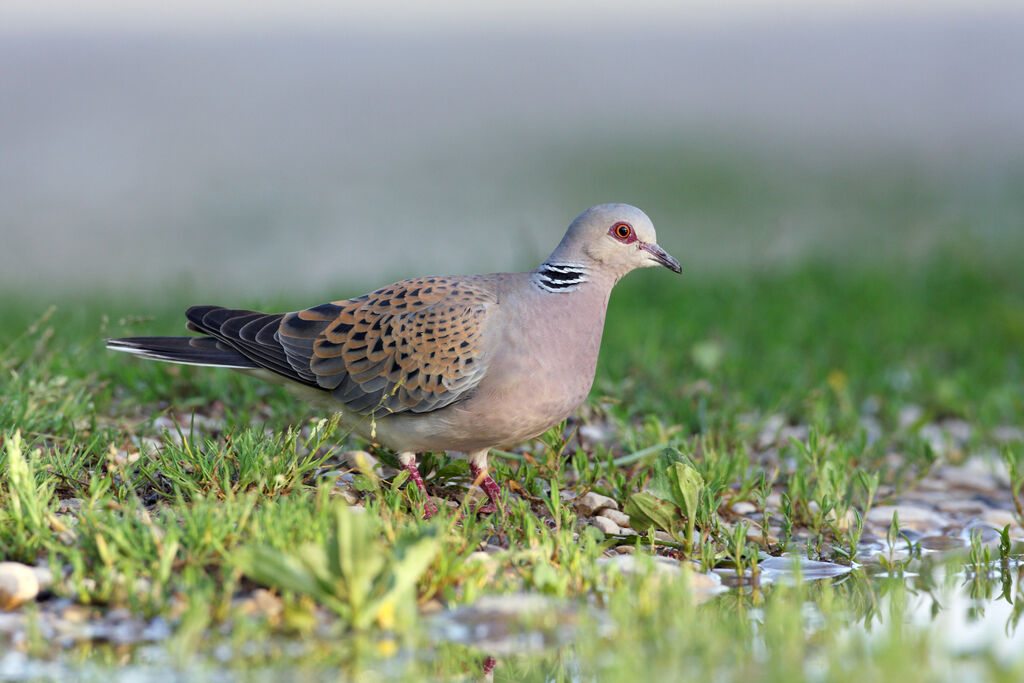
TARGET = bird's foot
x,y
484,480
429,510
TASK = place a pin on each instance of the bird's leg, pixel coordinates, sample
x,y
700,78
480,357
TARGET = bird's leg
x,y
478,468
408,461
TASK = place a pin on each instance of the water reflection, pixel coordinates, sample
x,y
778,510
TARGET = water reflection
x,y
956,606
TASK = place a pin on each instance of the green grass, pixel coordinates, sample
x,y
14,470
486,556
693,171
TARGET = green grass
x,y
185,524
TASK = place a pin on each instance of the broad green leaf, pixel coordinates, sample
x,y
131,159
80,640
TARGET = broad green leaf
x,y
661,484
686,486
646,511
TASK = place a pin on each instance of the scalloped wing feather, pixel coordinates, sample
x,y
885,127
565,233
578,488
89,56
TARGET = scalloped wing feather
x,y
416,345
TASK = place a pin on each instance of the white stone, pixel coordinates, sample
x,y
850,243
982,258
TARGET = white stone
x,y
606,525
770,431
909,415
966,508
591,503
999,518
18,584
958,430
596,433
743,508
620,518
629,564
69,505
1008,433
910,516
798,432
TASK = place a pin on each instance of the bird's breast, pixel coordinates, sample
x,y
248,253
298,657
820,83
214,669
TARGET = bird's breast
x,y
545,366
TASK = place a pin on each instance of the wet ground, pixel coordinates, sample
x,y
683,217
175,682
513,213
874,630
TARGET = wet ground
x,y
971,612
953,561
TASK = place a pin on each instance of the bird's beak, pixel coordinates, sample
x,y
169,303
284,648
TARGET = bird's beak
x,y
661,256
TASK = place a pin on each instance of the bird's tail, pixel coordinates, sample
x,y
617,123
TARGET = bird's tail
x,y
184,350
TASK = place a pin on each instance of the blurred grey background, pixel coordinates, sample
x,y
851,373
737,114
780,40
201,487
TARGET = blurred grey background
x,y
270,147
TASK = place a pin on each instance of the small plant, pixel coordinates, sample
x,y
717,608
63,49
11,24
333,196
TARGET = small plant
x,y
979,558
740,553
26,501
1015,464
352,572
890,562
672,503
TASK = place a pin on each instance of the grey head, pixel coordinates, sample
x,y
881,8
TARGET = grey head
x,y
610,239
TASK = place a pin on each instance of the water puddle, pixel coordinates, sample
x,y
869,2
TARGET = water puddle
x,y
968,607
511,624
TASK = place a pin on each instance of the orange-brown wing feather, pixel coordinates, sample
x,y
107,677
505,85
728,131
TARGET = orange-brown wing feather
x,y
416,345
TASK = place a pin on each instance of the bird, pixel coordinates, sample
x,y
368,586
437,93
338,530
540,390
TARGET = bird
x,y
460,363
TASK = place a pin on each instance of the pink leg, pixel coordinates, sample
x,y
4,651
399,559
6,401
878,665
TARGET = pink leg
x,y
490,487
488,666
409,464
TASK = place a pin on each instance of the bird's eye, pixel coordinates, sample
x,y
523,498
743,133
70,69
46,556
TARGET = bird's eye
x,y
623,230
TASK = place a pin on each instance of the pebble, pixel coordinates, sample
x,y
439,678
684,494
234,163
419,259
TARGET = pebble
x,y
187,423
872,429
754,535
967,478
942,542
262,602
991,464
988,535
1007,433
798,432
909,415
705,584
931,485
960,507
350,497
628,564
958,430
591,503
596,433
620,518
18,584
912,516
770,431
999,518
605,525
743,508
69,505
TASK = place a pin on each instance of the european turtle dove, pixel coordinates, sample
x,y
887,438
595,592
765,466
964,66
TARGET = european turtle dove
x,y
454,363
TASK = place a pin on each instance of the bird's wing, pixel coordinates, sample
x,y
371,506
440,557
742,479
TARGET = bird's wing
x,y
416,345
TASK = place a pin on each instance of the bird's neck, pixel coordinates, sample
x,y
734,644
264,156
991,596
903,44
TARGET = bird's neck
x,y
561,276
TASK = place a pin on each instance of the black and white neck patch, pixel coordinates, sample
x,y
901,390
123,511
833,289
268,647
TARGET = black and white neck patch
x,y
560,277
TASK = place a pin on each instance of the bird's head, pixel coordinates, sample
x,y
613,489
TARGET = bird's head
x,y
616,238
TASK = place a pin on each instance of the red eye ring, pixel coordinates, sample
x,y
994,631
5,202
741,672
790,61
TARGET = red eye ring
x,y
622,231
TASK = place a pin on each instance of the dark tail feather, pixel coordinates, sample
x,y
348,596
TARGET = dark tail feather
x,y
185,350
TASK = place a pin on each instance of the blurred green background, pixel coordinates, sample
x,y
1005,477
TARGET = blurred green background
x,y
236,151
